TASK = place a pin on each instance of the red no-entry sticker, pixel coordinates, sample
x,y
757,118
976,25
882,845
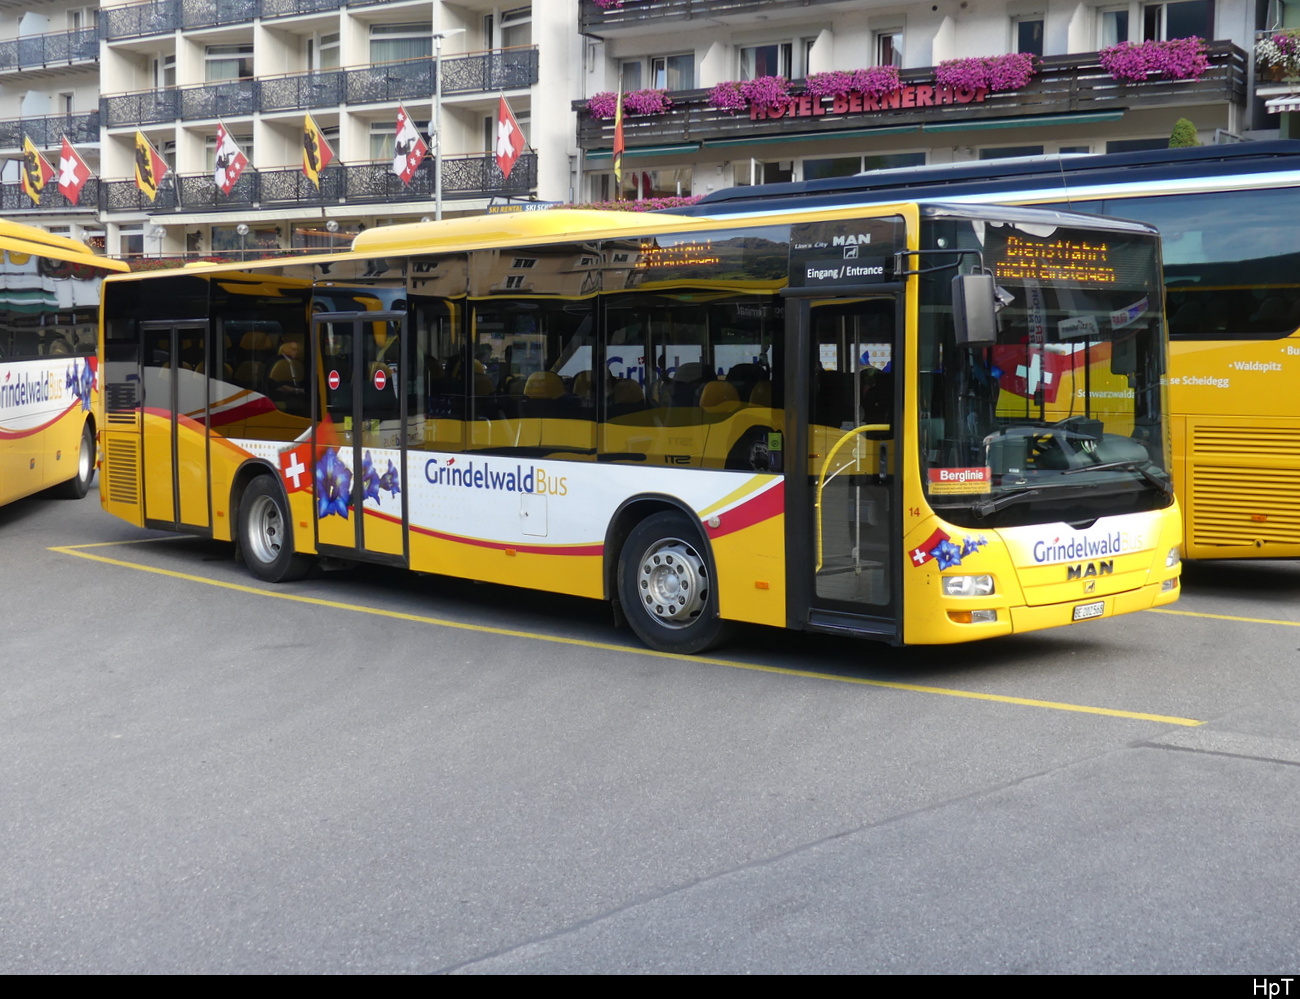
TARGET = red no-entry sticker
x,y
334,379
381,379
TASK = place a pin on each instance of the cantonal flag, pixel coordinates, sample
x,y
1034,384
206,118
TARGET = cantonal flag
x,y
230,162
409,149
316,151
37,172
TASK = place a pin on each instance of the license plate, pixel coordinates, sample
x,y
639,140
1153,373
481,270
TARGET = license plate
x,y
1085,611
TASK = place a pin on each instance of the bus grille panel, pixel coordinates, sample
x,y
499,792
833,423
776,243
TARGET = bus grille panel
x,y
1232,507
123,469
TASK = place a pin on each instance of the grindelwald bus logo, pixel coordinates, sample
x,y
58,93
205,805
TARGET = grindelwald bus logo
x,y
495,478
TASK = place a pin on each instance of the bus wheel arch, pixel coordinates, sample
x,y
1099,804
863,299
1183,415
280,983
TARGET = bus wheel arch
x,y
664,577
77,486
264,530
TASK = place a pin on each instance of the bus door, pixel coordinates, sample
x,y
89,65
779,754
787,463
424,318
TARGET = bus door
x,y
845,526
358,446
175,458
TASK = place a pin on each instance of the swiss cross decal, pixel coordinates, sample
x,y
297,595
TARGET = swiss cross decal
x,y
295,468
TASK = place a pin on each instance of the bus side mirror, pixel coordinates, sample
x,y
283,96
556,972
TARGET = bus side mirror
x,y
975,304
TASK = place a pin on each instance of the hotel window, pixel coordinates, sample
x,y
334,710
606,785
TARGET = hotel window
x,y
668,72
1114,26
1165,21
323,52
391,42
1284,14
630,74
514,28
847,166
766,60
1005,152
673,72
227,62
641,184
164,72
1027,32
889,47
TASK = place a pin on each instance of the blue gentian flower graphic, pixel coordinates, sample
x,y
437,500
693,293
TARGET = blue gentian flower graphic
x,y
369,479
390,481
333,485
970,546
946,554
80,381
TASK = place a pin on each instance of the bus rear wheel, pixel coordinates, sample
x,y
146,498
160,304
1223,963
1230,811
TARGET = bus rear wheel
x,y
266,534
666,586
77,486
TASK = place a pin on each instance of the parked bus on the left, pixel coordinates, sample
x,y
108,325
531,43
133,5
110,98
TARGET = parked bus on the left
x,y
49,383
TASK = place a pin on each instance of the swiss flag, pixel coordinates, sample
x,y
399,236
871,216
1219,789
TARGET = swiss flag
x,y
510,140
923,552
1028,369
409,150
295,468
231,160
73,172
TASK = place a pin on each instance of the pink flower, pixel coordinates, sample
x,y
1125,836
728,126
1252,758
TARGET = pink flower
x,y
605,103
1177,59
726,96
993,73
874,81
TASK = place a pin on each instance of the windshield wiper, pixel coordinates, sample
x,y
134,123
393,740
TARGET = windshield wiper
x,y
982,508
1142,467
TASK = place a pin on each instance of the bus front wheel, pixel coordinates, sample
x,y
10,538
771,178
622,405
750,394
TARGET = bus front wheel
x,y
266,533
77,486
666,586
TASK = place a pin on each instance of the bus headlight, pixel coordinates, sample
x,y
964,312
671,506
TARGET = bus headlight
x,y
1173,558
967,586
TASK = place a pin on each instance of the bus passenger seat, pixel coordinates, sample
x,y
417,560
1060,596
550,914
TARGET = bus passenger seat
x,y
761,394
544,385
718,395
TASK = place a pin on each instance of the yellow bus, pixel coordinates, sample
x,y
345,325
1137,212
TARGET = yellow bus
x,y
49,388
1227,218
789,423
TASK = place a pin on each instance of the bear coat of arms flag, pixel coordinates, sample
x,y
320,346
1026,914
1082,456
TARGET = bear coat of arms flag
x,y
316,151
37,171
73,172
409,148
230,162
150,167
510,139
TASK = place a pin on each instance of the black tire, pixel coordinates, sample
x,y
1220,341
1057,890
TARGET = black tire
x,y
77,486
666,585
266,533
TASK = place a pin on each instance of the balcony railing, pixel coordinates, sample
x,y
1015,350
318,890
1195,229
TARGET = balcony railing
x,y
159,17
1070,84
657,14
13,200
484,72
56,47
463,178
46,132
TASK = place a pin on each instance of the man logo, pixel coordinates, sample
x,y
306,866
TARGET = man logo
x,y
1090,570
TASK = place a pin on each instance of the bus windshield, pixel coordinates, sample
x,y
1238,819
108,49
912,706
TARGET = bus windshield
x,y
1058,419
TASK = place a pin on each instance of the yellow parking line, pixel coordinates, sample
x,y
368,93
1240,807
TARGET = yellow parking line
x,y
79,552
1227,617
